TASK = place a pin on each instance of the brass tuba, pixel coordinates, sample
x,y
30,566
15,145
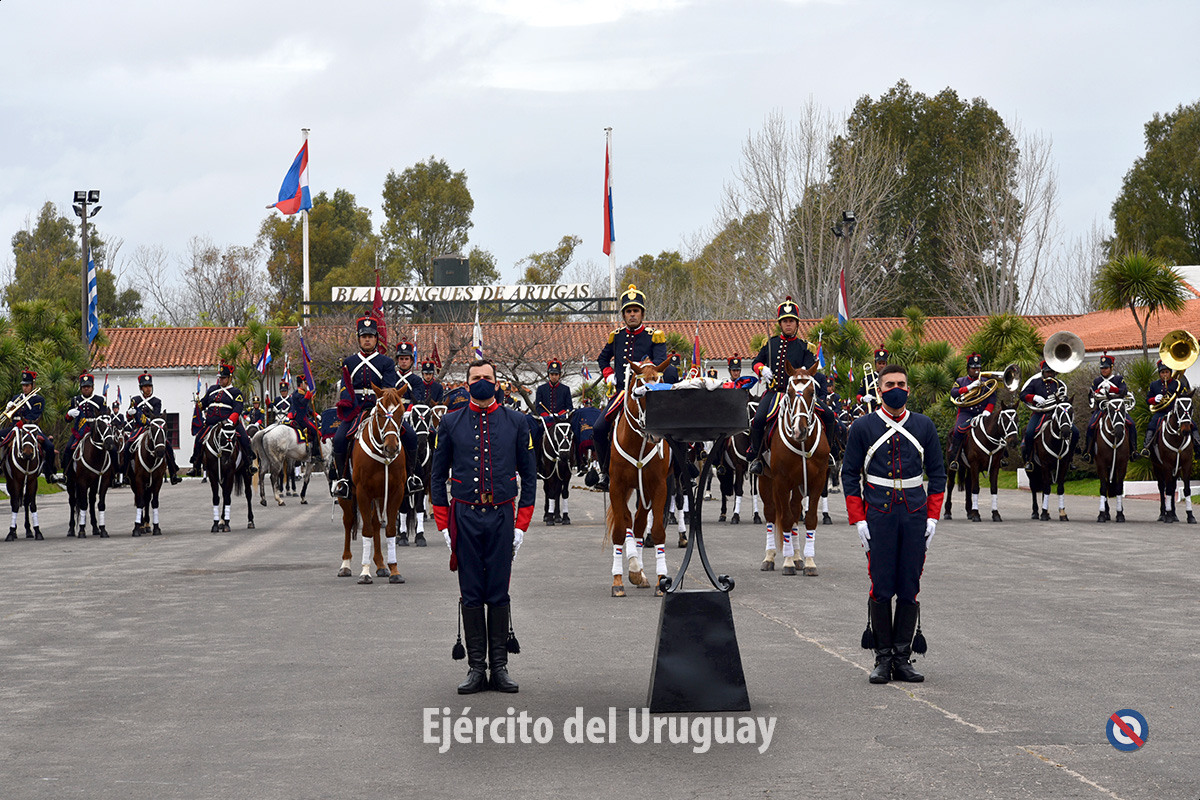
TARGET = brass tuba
x,y
989,382
1178,350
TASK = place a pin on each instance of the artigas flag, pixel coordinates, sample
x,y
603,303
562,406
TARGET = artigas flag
x,y
293,194
610,232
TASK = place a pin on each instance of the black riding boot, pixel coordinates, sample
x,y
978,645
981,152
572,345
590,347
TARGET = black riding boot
x,y
477,649
1089,442
881,628
603,451
415,484
50,469
904,628
338,485
956,443
497,624
756,465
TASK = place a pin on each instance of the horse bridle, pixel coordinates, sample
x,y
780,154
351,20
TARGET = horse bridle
x,y
556,446
1060,420
100,441
374,433
1181,411
156,435
638,426
24,434
794,407
1008,429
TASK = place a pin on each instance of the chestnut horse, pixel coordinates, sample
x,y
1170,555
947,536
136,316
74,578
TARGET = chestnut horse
x,y
795,473
638,469
377,471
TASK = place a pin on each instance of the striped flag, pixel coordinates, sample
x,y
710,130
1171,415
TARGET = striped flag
x,y
843,300
610,232
105,392
118,395
265,359
93,320
293,194
696,349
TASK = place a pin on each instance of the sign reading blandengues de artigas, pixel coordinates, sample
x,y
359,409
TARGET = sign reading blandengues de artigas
x,y
469,294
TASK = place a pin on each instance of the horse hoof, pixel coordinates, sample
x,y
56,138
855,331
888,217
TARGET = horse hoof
x,y
789,570
225,527
1062,517
550,522
566,519
262,502
671,520
70,534
365,579
37,535
250,525
281,503
1101,517
618,591
303,501
381,572
103,534
826,519
12,536
810,570
682,540
1191,518
216,526
1120,516
402,540
136,532
767,566
658,586
1034,516
948,516
736,519
1045,517
1162,517
344,572
996,517
157,531
721,518
82,535
397,578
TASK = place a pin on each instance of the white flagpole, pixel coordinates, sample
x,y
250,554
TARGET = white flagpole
x,y
612,250
304,213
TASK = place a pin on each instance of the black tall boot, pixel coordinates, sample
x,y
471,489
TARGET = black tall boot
x,y
414,483
905,627
881,628
956,443
497,624
603,451
756,465
477,647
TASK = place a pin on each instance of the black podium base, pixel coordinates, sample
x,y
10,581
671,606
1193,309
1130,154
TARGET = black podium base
x,y
697,664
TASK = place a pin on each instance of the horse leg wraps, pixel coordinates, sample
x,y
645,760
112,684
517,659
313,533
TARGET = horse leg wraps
x,y
788,550
975,501
33,517
1187,500
995,502
83,518
402,522
562,505
685,504
809,544
770,537
631,547
1120,502
100,518
368,550
420,524
154,515
228,512
1062,502
1102,499
137,517
1045,502
682,518
660,559
671,508
216,514
754,497
14,519
824,505
618,560
737,504
391,558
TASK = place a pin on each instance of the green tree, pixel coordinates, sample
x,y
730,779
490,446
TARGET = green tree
x,y
482,267
1158,208
941,137
669,282
547,267
845,346
1007,339
428,213
1136,281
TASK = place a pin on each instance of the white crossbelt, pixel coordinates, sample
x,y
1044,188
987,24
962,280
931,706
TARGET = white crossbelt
x,y
894,427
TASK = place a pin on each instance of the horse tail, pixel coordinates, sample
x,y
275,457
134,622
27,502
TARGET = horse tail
x,y
610,522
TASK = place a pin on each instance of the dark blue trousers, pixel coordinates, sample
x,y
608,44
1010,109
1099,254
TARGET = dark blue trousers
x,y
897,555
483,543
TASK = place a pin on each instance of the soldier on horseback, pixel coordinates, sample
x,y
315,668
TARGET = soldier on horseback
x,y
142,409
366,369
1042,392
302,418
788,348
406,353
735,374
85,406
283,402
26,408
867,395
1108,385
426,390
255,415
631,344
966,414
223,402
552,402
1161,397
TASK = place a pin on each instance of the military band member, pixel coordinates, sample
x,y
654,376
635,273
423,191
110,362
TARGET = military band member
x,y
426,390
896,515
735,374
627,345
551,402
144,407
26,408
866,389
256,415
484,448
367,368
85,406
1108,385
222,402
962,422
1161,397
712,373
1042,392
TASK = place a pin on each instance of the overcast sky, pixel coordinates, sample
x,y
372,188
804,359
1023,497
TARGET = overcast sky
x,y
187,115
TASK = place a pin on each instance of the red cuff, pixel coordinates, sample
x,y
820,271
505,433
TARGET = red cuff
x,y
441,516
855,509
990,407
524,515
1113,389
308,395
935,505
233,418
606,371
545,414
758,368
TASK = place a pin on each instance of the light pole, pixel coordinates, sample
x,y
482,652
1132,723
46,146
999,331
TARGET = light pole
x,y
843,231
82,200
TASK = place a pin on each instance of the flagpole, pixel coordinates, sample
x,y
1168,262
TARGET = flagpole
x,y
612,251
304,213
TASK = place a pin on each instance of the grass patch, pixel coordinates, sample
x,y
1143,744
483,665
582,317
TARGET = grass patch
x,y
43,488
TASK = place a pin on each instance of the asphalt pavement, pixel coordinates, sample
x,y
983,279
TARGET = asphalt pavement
x,y
214,665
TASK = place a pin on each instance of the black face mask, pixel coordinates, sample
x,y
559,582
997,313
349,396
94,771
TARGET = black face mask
x,y
483,390
895,397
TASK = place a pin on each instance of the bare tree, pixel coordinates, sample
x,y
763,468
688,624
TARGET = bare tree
x,y
224,286
1001,242
1066,284
163,301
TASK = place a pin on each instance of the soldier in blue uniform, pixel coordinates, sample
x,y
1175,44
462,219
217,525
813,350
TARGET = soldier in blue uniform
x,y
283,402
1042,392
866,390
366,368
144,407
483,449
788,348
630,344
223,401
457,398
27,408
551,402
302,417
426,390
962,421
896,515
1160,397
406,353
735,374
1108,385
85,406
256,414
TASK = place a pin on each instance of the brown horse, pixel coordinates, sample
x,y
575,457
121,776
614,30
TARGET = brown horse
x,y
1171,458
983,452
638,469
795,473
378,472
1114,447
22,465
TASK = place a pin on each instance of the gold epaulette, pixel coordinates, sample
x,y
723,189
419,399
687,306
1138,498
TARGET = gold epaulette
x,y
813,347
612,336
658,337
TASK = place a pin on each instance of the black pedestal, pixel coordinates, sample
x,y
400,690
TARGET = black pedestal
x,y
697,664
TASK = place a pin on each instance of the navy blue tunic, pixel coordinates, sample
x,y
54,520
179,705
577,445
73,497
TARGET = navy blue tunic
x,y
625,346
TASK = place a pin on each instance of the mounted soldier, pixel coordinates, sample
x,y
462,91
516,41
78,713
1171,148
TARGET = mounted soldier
x,y
1108,385
628,345
963,388
406,353
735,374
1041,393
26,408
1160,397
142,409
361,372
426,390
283,401
223,402
255,414
302,417
552,402
867,395
85,406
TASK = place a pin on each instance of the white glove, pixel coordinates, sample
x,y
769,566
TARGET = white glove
x,y
930,529
130,412
985,414
518,537
765,375
11,405
611,380
1157,399
973,384
864,534
446,536
73,413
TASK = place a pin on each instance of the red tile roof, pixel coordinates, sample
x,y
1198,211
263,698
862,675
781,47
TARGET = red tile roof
x,y
1116,330
163,348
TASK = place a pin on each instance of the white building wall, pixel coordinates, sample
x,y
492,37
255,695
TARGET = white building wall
x,y
175,387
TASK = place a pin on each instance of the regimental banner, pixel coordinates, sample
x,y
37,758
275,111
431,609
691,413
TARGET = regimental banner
x,y
461,294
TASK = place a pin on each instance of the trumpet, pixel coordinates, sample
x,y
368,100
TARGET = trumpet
x,y
989,382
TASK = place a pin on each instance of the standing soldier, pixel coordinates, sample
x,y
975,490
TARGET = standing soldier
x,y
426,390
1042,392
1108,385
552,402
962,422
866,390
484,448
1161,397
85,407
627,345
223,401
143,408
366,369
26,408
886,454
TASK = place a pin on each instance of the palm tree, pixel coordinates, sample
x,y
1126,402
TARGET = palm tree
x,y
1136,281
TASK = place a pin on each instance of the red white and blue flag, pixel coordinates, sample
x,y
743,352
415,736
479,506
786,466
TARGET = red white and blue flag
x,y
696,350
843,301
105,392
293,194
306,359
820,355
264,359
610,232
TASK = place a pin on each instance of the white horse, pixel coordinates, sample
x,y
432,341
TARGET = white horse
x,y
278,446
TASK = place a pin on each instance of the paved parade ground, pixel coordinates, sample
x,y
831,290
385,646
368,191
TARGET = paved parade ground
x,y
236,665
